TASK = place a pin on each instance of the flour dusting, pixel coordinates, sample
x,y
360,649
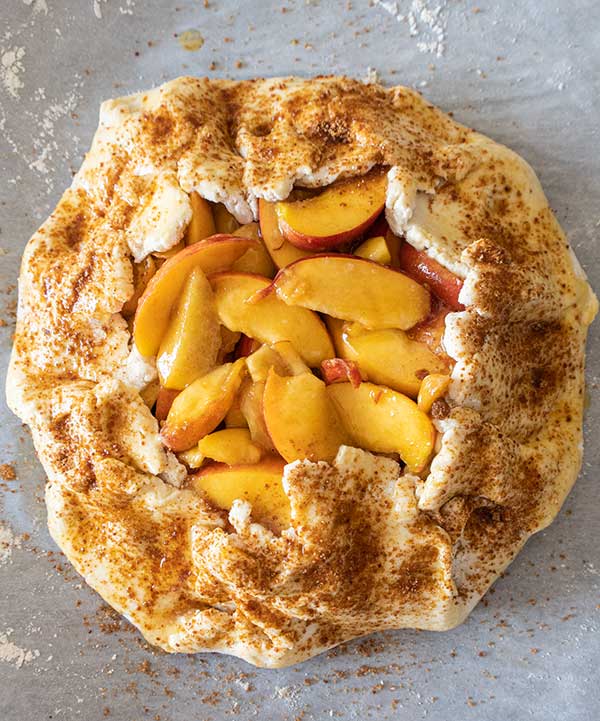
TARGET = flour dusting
x,y
426,22
11,70
98,8
371,76
11,653
38,6
8,541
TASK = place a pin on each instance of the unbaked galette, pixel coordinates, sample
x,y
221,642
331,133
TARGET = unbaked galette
x,y
302,359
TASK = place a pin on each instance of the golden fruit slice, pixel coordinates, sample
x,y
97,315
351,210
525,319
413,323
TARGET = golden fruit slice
x,y
389,357
292,360
282,252
282,356
261,361
142,273
340,370
344,286
384,421
431,333
337,215
268,319
248,230
164,401
202,224
260,484
375,249
256,261
251,406
232,446
192,458
200,408
190,347
301,420
433,388
165,254
154,308
224,220
235,418
229,341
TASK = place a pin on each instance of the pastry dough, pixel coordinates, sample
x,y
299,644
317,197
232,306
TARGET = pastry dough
x,y
369,549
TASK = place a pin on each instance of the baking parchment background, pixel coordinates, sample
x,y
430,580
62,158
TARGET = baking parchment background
x,y
525,73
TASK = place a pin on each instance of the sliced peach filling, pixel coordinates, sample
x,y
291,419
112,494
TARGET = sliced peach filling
x,y
282,340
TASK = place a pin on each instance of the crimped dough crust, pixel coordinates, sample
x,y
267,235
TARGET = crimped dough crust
x,y
370,549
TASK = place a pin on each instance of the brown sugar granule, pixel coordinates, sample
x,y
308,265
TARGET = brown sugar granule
x,y
7,472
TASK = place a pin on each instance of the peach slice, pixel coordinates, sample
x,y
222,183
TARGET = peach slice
x,y
202,406
337,215
164,401
166,254
234,417
256,259
231,445
418,265
260,484
211,255
190,347
282,252
202,224
246,346
261,361
432,388
344,286
431,333
229,342
292,360
389,357
142,273
248,230
269,319
384,421
224,220
301,420
193,458
251,406
149,394
375,249
282,356
338,370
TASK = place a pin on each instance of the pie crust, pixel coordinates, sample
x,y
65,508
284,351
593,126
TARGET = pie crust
x,y
370,549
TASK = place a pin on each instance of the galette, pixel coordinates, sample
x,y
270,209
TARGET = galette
x,y
302,359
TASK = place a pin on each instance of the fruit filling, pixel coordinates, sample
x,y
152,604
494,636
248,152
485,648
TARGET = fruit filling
x,y
283,340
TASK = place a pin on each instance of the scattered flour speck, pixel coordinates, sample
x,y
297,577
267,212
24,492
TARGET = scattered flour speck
x,y
371,76
426,22
127,9
11,653
8,541
38,6
11,69
98,9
